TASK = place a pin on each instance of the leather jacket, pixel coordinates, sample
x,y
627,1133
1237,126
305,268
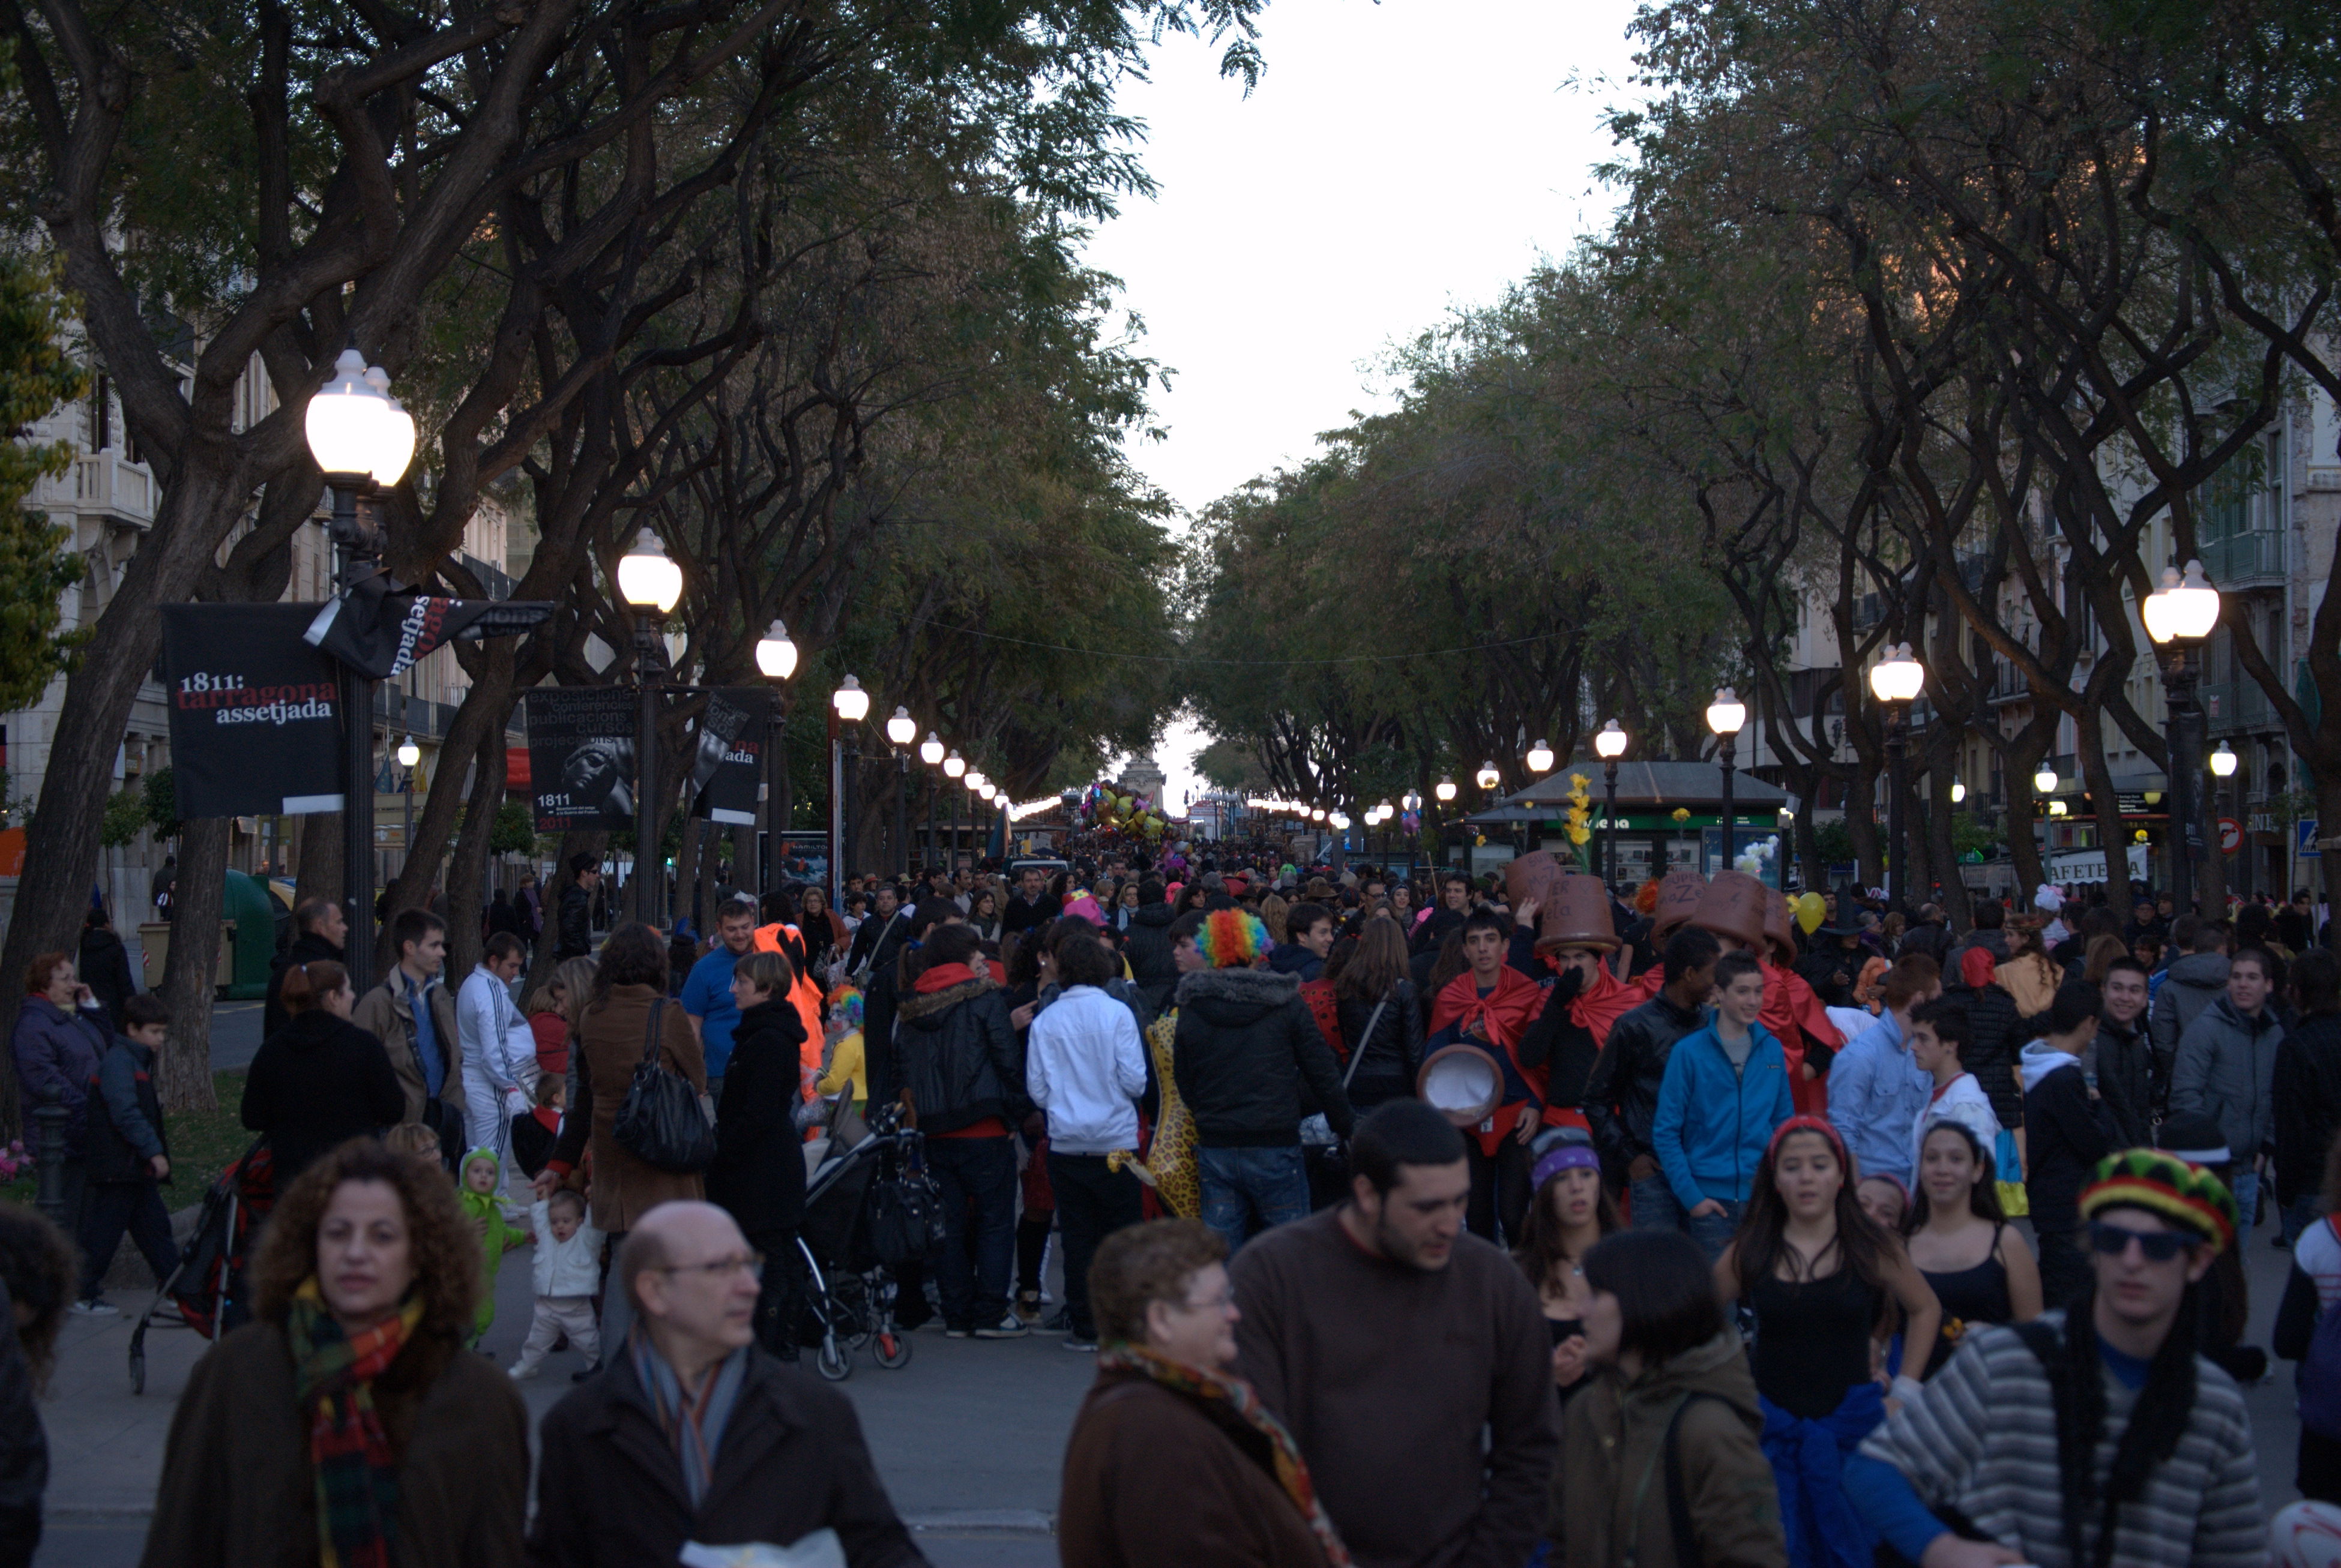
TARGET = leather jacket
x,y
1384,1066
1621,1099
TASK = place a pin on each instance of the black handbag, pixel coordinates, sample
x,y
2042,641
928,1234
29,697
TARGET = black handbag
x,y
906,1220
664,1122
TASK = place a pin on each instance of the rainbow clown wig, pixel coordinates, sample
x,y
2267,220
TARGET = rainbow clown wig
x,y
1231,939
2182,1194
845,1001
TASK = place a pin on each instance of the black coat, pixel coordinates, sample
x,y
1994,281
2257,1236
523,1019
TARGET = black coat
x,y
574,937
23,1447
759,1171
1148,952
308,948
1622,1100
105,971
791,1460
1247,1047
1384,1066
318,1082
2124,1062
2307,1097
1998,1037
958,1055
2066,1135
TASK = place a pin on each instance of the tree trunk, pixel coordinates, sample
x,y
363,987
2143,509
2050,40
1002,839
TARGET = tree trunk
x,y
321,858
188,974
467,871
2105,806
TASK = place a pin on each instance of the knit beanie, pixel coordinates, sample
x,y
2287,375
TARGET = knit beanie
x,y
2183,1194
1230,939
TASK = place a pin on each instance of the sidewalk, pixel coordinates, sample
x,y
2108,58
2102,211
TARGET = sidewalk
x,y
969,1438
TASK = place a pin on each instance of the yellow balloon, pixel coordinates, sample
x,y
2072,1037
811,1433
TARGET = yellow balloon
x,y
1811,910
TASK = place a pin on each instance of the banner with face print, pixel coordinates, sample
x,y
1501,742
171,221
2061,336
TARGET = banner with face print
x,y
728,762
256,711
581,755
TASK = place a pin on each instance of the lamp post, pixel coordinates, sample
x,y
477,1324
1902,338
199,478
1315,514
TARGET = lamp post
x,y
2223,768
2178,616
931,752
776,660
362,440
849,704
954,770
901,731
1895,681
1725,715
1413,802
650,583
1609,745
409,755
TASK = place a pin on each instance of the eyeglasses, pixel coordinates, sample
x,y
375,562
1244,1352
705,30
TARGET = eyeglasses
x,y
750,1263
1219,1303
2158,1245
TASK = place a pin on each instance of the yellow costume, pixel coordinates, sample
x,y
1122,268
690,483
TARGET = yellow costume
x,y
1170,1167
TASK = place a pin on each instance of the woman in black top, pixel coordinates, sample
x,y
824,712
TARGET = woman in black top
x,y
1571,1211
1381,1065
320,1080
1826,1286
1979,1270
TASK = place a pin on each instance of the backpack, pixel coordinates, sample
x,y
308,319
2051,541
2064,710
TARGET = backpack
x,y
2320,1371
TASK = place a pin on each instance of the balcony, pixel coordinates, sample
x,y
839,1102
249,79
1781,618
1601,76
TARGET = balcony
x,y
101,483
2232,705
2244,561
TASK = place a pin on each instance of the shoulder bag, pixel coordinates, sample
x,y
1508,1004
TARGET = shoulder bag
x,y
1317,1131
664,1122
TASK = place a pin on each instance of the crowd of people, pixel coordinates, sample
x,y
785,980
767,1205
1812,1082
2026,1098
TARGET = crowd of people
x,y
1461,1222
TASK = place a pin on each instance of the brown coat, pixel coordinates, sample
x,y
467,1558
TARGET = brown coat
x,y
609,1048
237,1491
383,1013
1609,1492
1157,1479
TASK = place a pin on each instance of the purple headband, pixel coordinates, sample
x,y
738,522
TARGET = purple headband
x,y
1565,1158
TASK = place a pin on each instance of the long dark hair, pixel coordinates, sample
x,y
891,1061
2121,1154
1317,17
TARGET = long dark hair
x,y
1377,967
1541,1252
2156,1421
1861,1243
1983,1197
633,955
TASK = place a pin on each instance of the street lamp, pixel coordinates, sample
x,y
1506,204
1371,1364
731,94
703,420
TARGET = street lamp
x,y
360,440
2223,767
1725,715
901,730
931,752
409,755
1958,790
1488,778
954,770
1609,745
650,583
1541,757
2045,781
849,704
2178,616
776,660
1895,681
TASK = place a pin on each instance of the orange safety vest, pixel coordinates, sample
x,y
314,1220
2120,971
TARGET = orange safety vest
x,y
805,993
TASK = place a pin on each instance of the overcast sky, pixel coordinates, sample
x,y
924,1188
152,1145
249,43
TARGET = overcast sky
x,y
1396,160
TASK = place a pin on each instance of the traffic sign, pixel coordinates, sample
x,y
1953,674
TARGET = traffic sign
x,y
2231,835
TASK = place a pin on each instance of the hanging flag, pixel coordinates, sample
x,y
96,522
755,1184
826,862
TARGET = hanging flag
x,y
381,627
256,711
581,755
729,764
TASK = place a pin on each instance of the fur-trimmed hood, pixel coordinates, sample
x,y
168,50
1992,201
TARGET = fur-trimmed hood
x,y
917,1005
1233,997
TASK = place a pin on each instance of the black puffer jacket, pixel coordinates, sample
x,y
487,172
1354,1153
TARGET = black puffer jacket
x,y
1383,1065
1246,1046
958,1055
1148,952
2308,1102
759,1173
1621,1101
1998,1037
316,1082
574,939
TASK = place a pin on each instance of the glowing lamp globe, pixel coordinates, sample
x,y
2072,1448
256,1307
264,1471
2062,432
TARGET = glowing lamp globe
x,y
1611,744
2183,609
1727,713
354,426
1446,790
1897,677
2223,762
932,752
1487,776
647,579
2046,780
1539,758
853,703
901,728
776,653
409,753
954,766
1959,791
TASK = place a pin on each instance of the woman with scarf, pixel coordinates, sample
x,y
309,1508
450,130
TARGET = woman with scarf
x,y
345,1425
1827,1287
1173,1460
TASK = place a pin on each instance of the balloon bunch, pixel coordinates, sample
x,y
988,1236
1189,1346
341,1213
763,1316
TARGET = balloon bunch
x,y
1752,859
1811,910
1135,816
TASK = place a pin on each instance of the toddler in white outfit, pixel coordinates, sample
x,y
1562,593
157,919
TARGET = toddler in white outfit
x,y
568,1264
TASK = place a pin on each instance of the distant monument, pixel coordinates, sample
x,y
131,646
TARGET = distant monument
x,y
1140,776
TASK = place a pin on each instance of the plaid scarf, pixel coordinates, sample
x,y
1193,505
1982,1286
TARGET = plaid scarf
x,y
1238,1398
349,1451
692,1418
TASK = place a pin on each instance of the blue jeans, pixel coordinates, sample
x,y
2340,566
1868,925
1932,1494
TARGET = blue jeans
x,y
2247,1188
1655,1205
977,1178
2300,1214
1248,1190
1713,1232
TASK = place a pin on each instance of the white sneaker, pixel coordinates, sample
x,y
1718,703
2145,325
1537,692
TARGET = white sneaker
x,y
522,1371
95,1307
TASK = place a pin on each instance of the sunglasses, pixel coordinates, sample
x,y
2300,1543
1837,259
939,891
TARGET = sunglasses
x,y
2158,1245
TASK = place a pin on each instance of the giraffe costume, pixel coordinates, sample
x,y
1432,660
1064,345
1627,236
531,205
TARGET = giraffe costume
x,y
1169,1164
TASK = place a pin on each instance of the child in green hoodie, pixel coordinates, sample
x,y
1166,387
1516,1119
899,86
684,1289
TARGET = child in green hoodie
x,y
497,1235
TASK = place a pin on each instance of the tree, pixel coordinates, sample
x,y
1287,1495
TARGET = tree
x,y
37,561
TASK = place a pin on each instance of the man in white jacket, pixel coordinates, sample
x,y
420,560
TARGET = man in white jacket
x,y
499,1050
1085,1068
1938,1033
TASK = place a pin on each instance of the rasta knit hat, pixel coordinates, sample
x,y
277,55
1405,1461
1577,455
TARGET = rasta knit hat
x,y
1230,939
2183,1194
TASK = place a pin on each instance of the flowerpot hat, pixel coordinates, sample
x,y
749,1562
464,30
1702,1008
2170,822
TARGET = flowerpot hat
x,y
1733,906
1678,897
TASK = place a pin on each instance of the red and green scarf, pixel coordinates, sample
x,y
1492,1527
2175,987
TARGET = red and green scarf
x,y
1240,1400
349,1451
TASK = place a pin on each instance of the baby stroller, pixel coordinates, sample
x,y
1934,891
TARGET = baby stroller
x,y
867,1205
207,1288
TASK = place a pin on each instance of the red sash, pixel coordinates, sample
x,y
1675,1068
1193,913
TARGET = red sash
x,y
1504,1014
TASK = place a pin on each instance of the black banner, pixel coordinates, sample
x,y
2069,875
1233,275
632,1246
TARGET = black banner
x,y
381,627
581,755
256,711
730,760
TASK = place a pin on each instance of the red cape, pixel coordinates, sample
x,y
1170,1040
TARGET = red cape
x,y
1790,1012
1506,1014
1604,1002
